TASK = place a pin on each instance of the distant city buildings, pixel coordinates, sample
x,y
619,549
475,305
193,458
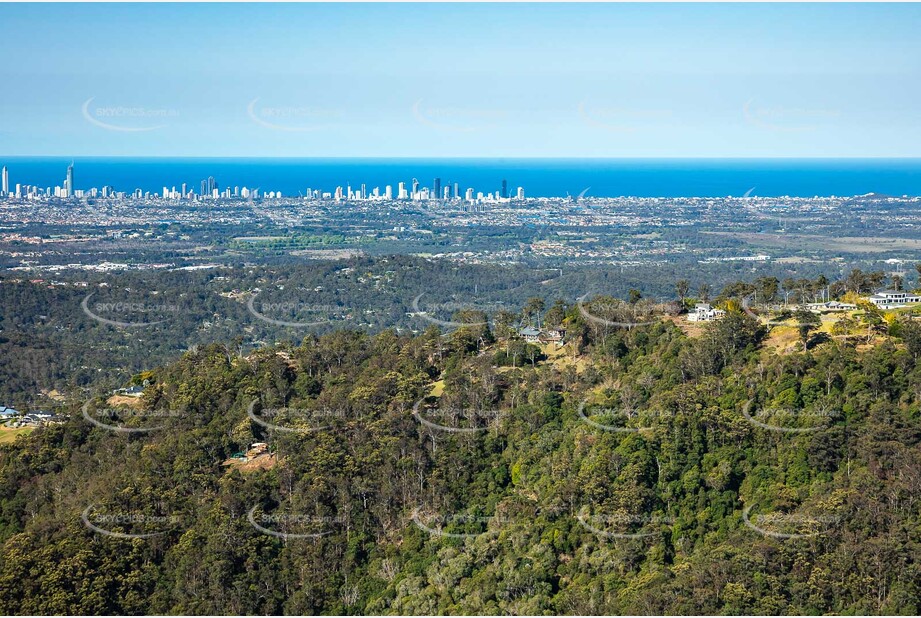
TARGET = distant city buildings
x,y
69,181
209,189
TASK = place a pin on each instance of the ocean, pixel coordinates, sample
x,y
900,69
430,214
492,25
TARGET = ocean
x,y
538,177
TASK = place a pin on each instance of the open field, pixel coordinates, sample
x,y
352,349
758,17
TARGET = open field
x,y
8,436
807,242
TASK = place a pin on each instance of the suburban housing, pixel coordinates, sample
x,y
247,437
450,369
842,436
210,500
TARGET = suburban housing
x,y
887,299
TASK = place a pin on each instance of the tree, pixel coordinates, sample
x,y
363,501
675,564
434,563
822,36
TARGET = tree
x,y
532,310
789,284
911,335
703,291
807,321
682,287
897,282
767,288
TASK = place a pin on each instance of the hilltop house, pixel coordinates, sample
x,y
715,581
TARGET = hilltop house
x,y
529,334
131,391
703,312
553,336
887,299
832,305
533,335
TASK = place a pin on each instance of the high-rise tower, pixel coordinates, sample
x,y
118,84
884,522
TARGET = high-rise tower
x,y
69,181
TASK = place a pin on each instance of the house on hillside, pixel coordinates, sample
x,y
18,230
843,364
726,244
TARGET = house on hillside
x,y
832,305
534,335
703,312
131,391
554,336
888,299
8,413
256,449
529,334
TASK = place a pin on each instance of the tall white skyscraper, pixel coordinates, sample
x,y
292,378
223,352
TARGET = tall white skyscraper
x,y
6,181
520,193
388,192
69,181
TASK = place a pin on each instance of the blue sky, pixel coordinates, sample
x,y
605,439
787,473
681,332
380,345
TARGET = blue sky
x,y
461,80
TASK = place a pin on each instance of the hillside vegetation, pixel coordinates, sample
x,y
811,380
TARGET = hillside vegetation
x,y
635,471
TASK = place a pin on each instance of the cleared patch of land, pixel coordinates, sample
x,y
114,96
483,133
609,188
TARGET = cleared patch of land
x,y
265,461
328,254
124,400
8,435
808,242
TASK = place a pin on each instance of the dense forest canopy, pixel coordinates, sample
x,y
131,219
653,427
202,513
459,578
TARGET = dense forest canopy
x,y
633,470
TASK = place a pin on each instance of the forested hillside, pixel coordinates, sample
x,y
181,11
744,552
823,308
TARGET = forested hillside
x,y
634,470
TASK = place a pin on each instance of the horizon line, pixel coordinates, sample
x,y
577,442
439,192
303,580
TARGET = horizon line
x,y
479,158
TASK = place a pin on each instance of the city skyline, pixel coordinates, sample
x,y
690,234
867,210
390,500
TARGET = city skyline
x,y
447,81
210,189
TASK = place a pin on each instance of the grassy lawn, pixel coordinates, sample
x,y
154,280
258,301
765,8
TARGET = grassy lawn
x,y
8,436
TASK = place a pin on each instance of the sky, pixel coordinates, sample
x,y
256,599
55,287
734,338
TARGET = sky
x,y
460,80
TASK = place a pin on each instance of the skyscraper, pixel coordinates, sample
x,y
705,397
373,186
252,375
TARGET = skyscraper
x,y
437,188
504,192
69,181
6,181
